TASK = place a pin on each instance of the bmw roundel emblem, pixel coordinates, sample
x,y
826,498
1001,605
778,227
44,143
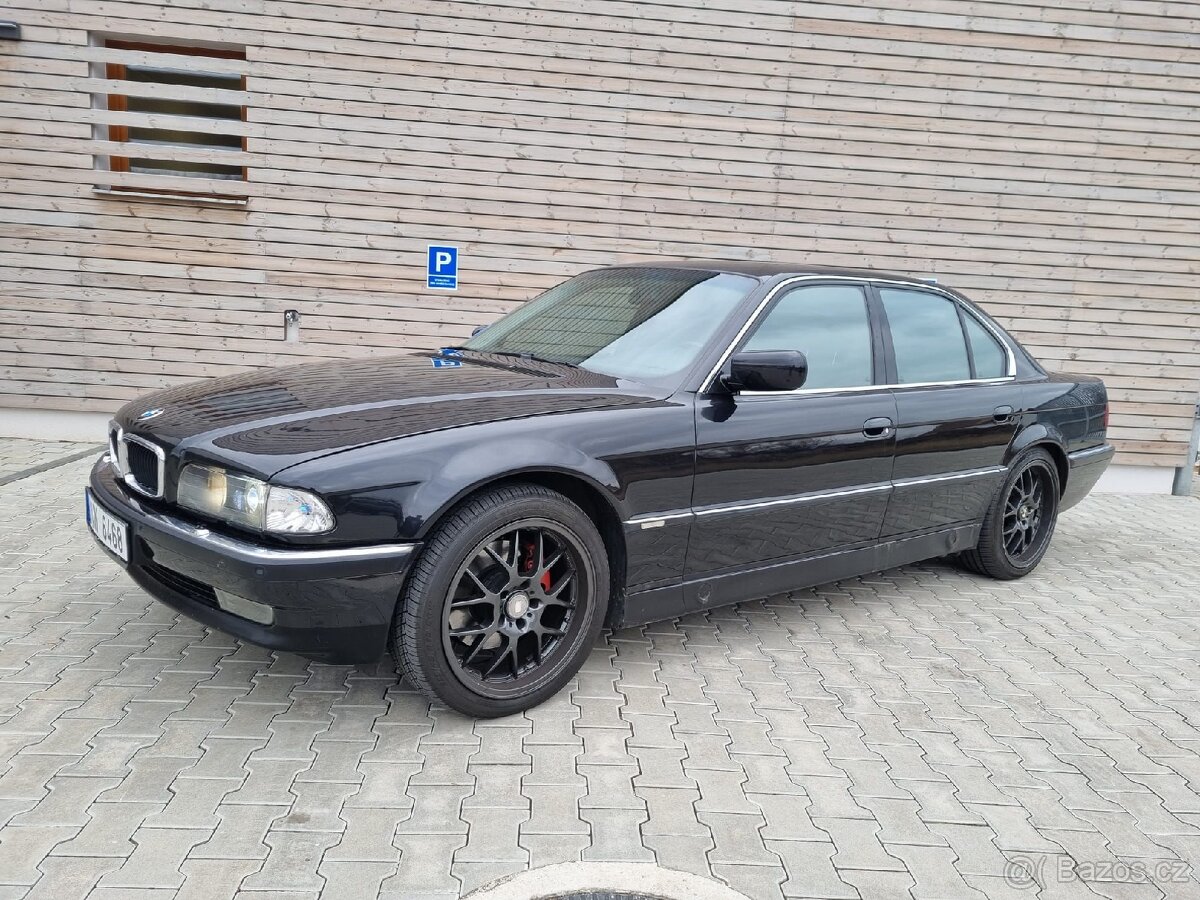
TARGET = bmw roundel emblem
x,y
150,414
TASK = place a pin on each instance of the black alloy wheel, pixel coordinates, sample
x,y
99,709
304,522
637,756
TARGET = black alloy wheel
x,y
504,603
1026,525
512,606
1017,528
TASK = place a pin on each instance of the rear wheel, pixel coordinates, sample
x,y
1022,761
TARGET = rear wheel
x,y
505,603
1020,522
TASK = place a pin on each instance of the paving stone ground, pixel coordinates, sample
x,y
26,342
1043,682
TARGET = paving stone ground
x,y
17,455
919,733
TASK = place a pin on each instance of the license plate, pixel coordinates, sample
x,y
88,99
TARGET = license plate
x,y
108,529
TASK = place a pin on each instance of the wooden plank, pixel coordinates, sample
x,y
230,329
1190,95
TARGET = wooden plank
x,y
1041,157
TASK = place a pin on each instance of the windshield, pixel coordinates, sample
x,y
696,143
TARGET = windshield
x,y
639,323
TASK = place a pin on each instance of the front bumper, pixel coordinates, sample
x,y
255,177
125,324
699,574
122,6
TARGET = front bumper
x,y
332,604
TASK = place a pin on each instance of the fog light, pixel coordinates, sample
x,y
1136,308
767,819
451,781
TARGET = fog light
x,y
247,609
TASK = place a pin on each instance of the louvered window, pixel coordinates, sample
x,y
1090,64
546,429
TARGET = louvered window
x,y
175,122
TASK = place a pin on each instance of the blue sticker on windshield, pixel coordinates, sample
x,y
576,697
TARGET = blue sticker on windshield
x,y
440,363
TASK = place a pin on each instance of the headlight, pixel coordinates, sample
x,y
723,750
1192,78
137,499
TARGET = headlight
x,y
251,503
292,511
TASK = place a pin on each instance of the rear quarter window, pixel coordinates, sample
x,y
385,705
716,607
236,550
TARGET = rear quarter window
x,y
990,358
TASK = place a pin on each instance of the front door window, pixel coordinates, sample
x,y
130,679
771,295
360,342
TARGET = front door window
x,y
829,324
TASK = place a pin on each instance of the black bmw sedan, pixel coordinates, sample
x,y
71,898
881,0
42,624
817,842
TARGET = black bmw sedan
x,y
637,443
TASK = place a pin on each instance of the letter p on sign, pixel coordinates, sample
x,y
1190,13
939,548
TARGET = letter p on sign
x,y
441,268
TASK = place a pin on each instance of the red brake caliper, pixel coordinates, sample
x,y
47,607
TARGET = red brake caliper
x,y
527,565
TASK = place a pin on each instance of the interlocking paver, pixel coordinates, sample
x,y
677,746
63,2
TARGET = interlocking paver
x,y
110,830
425,865
241,832
63,877
24,848
293,861
354,880
205,879
616,835
156,861
907,734
810,870
493,836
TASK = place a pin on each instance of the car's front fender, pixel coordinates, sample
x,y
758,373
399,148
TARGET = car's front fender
x,y
637,459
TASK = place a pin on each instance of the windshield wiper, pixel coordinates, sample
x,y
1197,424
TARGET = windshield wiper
x,y
530,357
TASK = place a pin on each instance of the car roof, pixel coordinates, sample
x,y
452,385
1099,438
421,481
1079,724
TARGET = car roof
x,y
766,270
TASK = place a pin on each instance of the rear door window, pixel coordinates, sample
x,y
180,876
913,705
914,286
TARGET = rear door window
x,y
927,337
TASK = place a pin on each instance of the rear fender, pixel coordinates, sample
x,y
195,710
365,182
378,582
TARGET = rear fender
x,y
1041,434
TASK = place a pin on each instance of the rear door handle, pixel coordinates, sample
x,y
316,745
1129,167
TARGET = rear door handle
x,y
878,427
1003,413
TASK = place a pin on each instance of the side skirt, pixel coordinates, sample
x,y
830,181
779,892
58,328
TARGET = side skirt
x,y
791,575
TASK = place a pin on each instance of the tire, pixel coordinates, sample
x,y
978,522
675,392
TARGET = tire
x,y
504,603
998,554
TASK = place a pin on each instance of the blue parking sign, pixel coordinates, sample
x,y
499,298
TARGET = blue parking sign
x,y
441,268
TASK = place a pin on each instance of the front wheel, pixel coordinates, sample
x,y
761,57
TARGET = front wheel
x,y
1019,523
505,603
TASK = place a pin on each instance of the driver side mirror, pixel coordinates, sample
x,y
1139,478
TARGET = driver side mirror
x,y
478,329
767,370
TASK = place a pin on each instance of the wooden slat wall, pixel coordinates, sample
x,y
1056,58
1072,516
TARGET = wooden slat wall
x,y
1043,157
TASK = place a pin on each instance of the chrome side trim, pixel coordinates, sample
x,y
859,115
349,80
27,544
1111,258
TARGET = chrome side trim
x,y
953,476
159,454
798,498
654,520
1077,455
1011,369
758,504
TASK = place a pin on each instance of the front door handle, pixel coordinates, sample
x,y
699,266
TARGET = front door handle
x,y
878,427
1003,413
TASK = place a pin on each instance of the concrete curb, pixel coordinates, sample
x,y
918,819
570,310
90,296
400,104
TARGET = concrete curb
x,y
51,464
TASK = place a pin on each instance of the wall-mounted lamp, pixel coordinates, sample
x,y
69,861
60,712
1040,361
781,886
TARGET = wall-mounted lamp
x,y
10,31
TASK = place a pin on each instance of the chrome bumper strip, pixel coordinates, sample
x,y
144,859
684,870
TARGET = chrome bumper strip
x,y
1082,455
255,554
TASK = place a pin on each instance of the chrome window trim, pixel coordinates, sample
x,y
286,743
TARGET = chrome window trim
x,y
653,520
877,387
710,379
1010,357
159,454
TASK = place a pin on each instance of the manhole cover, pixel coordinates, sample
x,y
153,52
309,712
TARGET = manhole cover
x,y
604,881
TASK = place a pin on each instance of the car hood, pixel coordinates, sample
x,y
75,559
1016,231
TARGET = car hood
x,y
266,421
